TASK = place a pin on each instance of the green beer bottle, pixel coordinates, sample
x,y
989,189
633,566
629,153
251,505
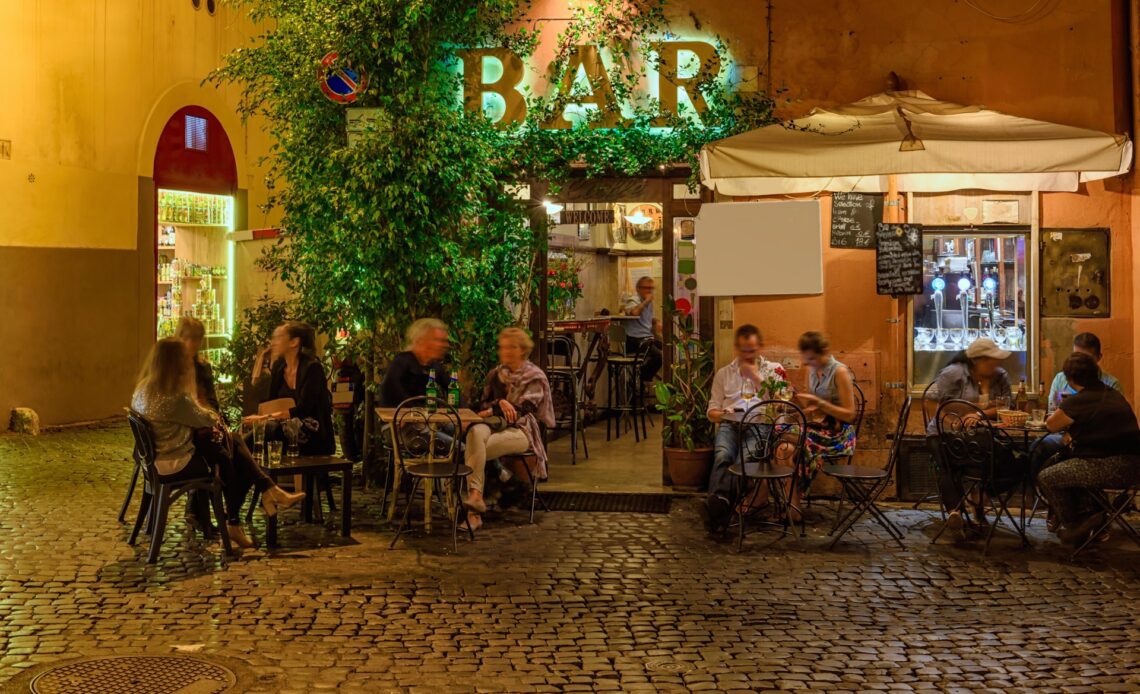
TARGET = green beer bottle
x,y
453,390
432,392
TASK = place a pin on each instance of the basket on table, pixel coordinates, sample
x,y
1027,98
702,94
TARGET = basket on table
x,y
1013,418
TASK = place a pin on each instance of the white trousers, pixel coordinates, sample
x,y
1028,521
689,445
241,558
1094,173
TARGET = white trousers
x,y
483,445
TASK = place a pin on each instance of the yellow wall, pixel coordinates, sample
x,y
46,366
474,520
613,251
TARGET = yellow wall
x,y
87,84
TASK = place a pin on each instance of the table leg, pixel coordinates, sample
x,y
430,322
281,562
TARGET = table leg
x,y
346,503
397,468
271,531
427,504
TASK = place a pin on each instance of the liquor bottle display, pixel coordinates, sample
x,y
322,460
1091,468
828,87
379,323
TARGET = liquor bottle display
x,y
191,272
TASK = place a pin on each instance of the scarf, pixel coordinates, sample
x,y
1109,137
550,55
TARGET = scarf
x,y
528,384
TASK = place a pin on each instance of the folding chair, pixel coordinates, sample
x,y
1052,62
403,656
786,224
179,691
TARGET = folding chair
x,y
860,410
771,441
863,486
1114,503
971,447
929,409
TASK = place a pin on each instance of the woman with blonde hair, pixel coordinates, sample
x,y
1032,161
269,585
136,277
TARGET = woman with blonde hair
x,y
165,397
517,393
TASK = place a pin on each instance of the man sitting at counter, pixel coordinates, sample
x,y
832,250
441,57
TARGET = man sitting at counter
x,y
645,327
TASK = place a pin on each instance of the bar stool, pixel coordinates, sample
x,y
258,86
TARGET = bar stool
x,y
627,390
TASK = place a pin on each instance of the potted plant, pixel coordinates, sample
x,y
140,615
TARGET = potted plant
x,y
683,402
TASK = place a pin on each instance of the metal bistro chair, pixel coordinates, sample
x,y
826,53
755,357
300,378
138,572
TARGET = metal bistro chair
x,y
523,461
137,457
564,347
971,447
771,441
1114,503
862,486
930,403
427,453
158,495
567,410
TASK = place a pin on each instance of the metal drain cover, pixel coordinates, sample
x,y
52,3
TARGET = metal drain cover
x,y
130,674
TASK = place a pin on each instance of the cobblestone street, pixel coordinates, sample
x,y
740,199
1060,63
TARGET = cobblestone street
x,y
576,602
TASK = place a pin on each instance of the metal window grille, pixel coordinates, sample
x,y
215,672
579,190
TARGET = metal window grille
x,y
196,133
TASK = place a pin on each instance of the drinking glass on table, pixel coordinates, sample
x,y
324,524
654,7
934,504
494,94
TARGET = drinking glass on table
x,y
1038,416
275,448
258,437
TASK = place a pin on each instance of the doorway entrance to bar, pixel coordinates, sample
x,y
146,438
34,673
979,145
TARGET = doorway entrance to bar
x,y
602,236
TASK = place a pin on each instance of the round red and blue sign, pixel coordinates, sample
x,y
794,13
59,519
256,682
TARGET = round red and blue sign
x,y
341,82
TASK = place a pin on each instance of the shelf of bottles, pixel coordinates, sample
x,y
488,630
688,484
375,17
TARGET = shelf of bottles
x,y
193,265
974,288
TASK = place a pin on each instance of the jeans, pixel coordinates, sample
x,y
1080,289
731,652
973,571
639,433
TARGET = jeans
x,y
723,483
237,468
1044,448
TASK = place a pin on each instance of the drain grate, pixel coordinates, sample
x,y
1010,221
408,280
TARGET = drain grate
x,y
668,666
130,674
595,502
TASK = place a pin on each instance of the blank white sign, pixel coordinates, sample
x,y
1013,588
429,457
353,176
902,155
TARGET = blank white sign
x,y
759,248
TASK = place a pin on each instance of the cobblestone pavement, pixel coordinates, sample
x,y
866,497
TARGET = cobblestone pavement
x,y
576,602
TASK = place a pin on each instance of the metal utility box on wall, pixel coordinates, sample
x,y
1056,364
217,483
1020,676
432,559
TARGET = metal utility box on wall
x,y
915,471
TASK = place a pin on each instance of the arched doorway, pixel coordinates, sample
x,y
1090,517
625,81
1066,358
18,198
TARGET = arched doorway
x,y
196,180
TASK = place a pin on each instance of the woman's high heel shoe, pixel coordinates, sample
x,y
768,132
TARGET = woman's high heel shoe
x,y
276,498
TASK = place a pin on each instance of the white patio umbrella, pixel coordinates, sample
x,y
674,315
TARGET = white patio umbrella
x,y
925,144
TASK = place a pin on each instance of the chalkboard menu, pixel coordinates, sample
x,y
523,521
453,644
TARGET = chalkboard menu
x,y
898,259
853,219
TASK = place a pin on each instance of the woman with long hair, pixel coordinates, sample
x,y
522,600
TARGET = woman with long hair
x,y
297,374
190,439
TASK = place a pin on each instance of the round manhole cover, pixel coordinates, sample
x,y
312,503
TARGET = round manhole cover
x,y
668,666
165,674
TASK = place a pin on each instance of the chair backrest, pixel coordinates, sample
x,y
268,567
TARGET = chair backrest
x,y
772,431
427,431
966,436
564,392
930,398
564,346
860,406
643,349
900,431
145,449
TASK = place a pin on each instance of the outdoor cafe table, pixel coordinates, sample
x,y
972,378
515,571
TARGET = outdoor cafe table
x,y
467,417
309,465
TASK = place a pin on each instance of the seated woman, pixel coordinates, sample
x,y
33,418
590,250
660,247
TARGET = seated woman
x,y
1104,444
297,374
165,397
517,391
192,332
830,408
976,376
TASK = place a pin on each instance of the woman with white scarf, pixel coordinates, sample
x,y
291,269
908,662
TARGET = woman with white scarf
x,y
518,392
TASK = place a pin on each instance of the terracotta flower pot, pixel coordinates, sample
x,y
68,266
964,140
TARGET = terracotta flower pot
x,y
689,470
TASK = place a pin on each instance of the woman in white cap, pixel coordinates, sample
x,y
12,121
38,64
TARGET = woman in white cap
x,y
974,375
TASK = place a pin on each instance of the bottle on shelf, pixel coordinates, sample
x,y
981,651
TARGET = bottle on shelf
x,y
453,390
1021,400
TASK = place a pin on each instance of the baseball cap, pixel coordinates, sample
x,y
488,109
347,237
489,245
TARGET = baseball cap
x,y
985,347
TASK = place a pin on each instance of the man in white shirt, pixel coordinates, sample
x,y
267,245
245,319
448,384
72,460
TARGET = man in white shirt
x,y
734,387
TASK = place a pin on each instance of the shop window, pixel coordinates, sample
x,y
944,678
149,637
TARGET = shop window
x,y
196,133
974,286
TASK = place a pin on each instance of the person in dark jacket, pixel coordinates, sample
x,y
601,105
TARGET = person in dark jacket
x,y
407,374
191,333
298,374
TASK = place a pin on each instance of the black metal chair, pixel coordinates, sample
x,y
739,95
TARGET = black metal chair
x,y
860,411
523,460
930,402
771,441
567,410
975,453
160,494
137,458
863,486
565,348
427,453
1114,503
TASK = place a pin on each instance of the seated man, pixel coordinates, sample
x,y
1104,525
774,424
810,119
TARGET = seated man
x,y
1045,448
646,327
407,374
732,389
1105,441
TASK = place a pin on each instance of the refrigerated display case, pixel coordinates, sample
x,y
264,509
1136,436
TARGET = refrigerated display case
x,y
194,274
976,284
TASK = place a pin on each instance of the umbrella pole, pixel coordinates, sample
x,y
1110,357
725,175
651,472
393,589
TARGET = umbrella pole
x,y
893,213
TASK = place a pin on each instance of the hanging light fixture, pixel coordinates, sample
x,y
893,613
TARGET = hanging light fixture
x,y
638,218
551,207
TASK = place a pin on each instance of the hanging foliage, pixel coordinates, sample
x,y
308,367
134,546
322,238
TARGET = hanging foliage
x,y
414,218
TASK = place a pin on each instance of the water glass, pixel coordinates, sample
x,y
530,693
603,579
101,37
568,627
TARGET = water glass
x,y
275,448
258,437
1038,416
294,449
